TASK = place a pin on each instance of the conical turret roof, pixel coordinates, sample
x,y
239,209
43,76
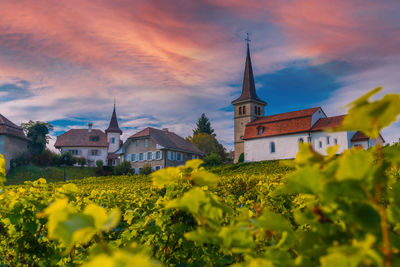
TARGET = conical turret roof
x,y
113,126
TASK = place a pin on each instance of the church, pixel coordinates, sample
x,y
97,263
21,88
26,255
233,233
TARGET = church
x,y
277,136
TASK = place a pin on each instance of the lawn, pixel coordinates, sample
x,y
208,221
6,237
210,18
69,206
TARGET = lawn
x,y
51,174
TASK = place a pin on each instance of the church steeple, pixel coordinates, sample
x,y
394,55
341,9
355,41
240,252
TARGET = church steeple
x,y
249,87
248,107
113,126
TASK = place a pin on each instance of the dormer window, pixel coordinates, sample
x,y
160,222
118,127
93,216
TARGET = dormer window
x,y
260,130
94,138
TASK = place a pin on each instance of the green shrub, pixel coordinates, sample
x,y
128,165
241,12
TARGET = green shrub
x,y
99,163
212,160
146,170
81,161
123,168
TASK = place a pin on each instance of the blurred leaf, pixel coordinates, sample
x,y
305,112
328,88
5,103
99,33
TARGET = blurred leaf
x,y
370,117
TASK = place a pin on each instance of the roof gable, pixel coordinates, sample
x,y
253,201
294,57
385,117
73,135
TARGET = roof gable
x,y
328,123
7,127
81,138
168,140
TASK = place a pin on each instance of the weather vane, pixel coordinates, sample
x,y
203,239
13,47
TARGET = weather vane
x,y
247,38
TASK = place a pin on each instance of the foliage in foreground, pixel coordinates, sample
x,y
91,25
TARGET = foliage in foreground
x,y
329,211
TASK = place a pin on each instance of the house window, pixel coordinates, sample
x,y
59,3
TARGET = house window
x,y
255,110
112,140
244,110
179,156
157,168
335,141
94,152
259,111
141,156
133,157
320,144
137,143
173,155
301,140
94,138
158,155
169,156
260,130
309,139
149,155
272,147
327,140
74,152
240,110
146,142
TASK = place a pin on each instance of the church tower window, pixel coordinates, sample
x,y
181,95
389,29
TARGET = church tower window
x,y
240,110
244,110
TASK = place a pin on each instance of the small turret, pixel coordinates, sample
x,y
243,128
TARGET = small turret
x,y
113,133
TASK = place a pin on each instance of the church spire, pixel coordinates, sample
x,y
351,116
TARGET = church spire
x,y
113,126
249,87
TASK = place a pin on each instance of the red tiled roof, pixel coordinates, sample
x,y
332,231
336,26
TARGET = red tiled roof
x,y
81,138
9,128
285,116
168,140
328,123
359,136
281,127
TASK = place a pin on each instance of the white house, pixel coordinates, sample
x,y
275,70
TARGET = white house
x,y
277,136
93,144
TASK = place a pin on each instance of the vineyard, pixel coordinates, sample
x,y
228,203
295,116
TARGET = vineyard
x,y
313,211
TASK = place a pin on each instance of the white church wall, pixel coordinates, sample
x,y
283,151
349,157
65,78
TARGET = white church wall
x,y
286,147
319,141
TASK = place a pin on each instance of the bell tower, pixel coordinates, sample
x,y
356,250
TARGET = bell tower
x,y
248,107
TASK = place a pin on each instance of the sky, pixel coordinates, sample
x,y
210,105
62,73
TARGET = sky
x,y
166,62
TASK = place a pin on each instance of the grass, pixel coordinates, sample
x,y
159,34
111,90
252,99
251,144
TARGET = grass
x,y
52,174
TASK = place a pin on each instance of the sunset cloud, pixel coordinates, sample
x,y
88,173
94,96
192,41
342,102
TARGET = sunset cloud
x,y
166,62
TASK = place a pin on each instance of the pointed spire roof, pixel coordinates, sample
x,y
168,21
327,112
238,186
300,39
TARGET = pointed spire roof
x,y
113,126
249,87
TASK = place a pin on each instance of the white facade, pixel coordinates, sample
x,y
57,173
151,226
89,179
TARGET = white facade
x,y
91,154
286,146
113,140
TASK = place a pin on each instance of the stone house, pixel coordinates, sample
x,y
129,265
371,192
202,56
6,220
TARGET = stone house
x,y
93,144
277,136
159,148
13,140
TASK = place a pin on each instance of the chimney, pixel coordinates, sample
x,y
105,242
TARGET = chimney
x,y
90,127
165,129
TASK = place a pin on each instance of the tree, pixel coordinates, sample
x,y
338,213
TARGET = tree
x,y
37,132
208,144
203,125
241,158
